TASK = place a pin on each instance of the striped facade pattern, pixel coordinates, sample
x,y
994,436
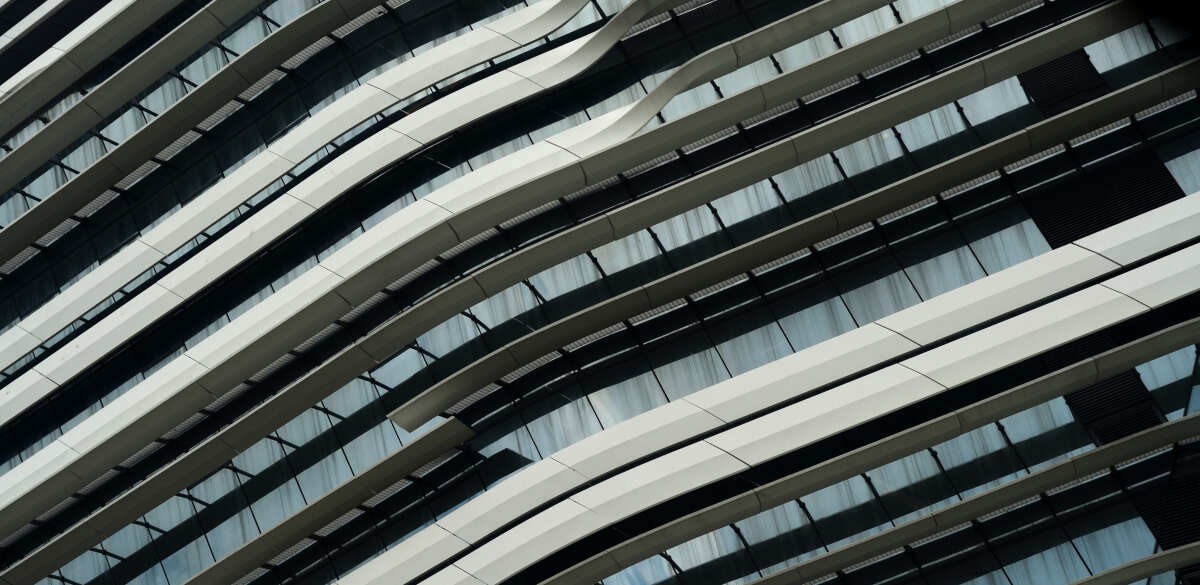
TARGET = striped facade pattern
x,y
631,292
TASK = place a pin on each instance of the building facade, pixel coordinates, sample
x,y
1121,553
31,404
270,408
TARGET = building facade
x,y
627,292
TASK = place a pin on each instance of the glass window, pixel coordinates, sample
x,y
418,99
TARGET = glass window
x,y
812,315
510,303
623,391
746,77
635,250
780,537
870,152
806,52
1046,434
1044,564
560,420
1004,238
1186,170
978,460
1169,379
913,9
846,512
1121,48
749,203
744,344
865,26
1106,547
876,288
398,369
449,335
652,571
717,556
373,446
278,504
932,127
85,567
187,561
808,177
688,364
939,264
912,487
246,36
994,100
566,277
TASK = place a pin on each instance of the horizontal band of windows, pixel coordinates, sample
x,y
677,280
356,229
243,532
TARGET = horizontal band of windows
x,y
516,507
770,479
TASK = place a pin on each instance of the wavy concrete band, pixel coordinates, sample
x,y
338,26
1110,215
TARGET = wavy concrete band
x,y
962,514
273,541
65,464
345,498
1128,242
384,91
761,440
278,217
214,204
333,505
242,73
301,394
31,21
216,365
957,516
406,80
706,187
710,185
806,371
90,43
1072,378
116,91
1153,565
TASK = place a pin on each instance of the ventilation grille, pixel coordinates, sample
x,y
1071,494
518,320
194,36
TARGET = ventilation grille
x,y
341,521
407,279
471,243
697,145
275,366
16,261
180,143
307,53
769,114
261,85
1007,14
357,312
291,551
846,235
387,493
776,263
720,286
220,115
953,191
97,204
474,397
902,59
1146,113
953,38
59,231
656,311
174,433
344,30
610,330
324,334
507,224
535,364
